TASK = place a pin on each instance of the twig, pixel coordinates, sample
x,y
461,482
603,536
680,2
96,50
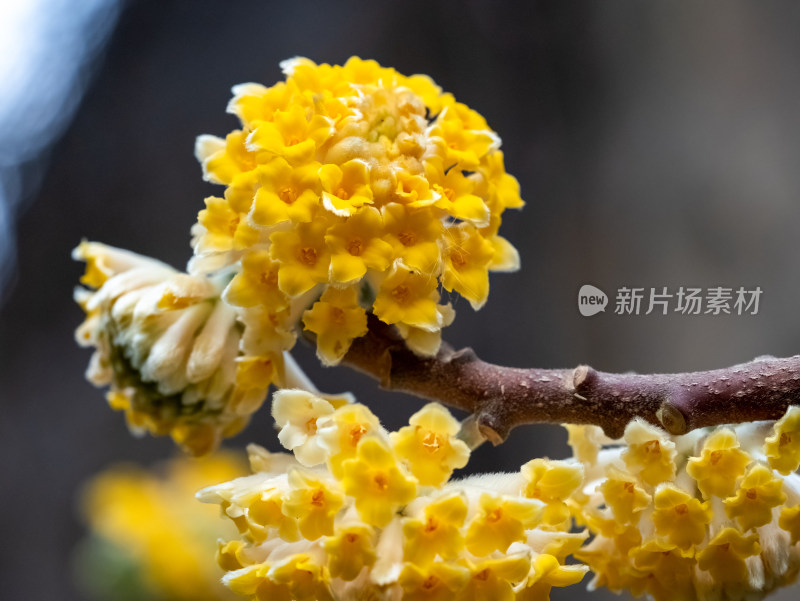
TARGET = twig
x,y
501,398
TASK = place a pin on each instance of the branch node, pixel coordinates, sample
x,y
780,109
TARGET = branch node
x,y
490,430
671,418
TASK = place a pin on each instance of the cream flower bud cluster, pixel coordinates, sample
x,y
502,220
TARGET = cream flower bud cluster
x,y
357,512
175,356
711,515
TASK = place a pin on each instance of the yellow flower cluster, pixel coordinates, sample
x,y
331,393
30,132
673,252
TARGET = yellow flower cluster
x,y
714,514
175,356
359,184
361,513
161,537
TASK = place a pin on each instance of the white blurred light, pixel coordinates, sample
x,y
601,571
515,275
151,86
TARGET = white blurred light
x,y
45,46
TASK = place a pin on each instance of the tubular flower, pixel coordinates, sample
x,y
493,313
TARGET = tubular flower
x,y
360,526
148,530
169,349
701,516
340,173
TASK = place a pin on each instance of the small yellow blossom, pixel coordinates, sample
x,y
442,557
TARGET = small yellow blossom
x,y
758,493
350,550
303,256
679,517
466,266
547,572
624,496
439,533
340,434
408,297
650,454
783,447
585,441
494,579
306,580
790,521
415,236
337,319
437,581
721,463
286,193
256,283
377,482
290,135
345,187
297,413
314,502
725,555
501,521
356,246
223,229
552,482
429,445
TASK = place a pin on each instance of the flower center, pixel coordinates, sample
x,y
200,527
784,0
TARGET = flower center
x,y
342,193
311,425
308,256
355,247
401,294
430,583
715,457
351,537
458,258
381,481
449,193
751,493
318,498
287,195
431,525
356,432
682,509
431,442
494,515
652,446
337,316
407,238
784,440
269,278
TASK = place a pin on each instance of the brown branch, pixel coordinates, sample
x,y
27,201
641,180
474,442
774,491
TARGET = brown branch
x,y
501,398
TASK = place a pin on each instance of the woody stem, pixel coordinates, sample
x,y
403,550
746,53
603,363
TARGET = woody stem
x,y
501,398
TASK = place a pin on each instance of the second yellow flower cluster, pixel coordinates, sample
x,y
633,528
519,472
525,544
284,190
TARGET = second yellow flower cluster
x,y
358,512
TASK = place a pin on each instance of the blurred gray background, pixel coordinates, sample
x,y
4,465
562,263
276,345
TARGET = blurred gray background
x,y
657,144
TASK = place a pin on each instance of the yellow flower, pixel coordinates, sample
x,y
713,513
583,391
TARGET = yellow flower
x,y
758,493
552,482
303,256
356,246
438,581
790,521
547,572
457,196
464,145
298,413
415,236
256,283
650,454
494,579
290,135
624,496
429,445
502,520
345,187
466,265
223,229
679,517
669,575
720,465
783,447
350,550
725,555
377,482
337,319
585,441
286,193
341,433
439,533
409,297
313,502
